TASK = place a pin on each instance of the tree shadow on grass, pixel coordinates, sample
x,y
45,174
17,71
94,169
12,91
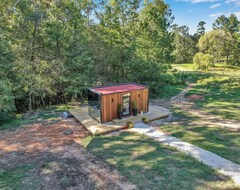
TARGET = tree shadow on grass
x,y
221,141
150,165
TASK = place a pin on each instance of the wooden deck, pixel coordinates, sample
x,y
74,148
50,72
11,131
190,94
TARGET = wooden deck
x,y
93,126
154,113
96,128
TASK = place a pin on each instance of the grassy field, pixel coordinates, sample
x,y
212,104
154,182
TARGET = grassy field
x,y
220,87
150,165
221,90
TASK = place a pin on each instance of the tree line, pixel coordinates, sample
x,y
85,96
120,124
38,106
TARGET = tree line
x,y
51,51
221,45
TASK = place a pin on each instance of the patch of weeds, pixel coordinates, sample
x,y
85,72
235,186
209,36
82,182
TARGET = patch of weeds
x,y
46,115
64,181
14,178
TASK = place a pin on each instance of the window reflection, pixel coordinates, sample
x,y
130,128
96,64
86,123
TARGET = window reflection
x,y
94,105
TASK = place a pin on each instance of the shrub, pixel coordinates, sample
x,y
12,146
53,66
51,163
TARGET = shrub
x,y
134,106
145,120
120,108
202,61
130,124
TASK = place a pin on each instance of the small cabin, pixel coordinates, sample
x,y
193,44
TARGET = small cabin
x,y
103,101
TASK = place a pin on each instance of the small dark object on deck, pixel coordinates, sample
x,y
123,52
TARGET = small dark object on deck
x,y
68,132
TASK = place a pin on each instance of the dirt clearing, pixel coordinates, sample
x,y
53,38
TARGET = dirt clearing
x,y
43,157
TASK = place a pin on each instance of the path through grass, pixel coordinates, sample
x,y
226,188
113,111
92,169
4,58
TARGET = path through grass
x,y
150,165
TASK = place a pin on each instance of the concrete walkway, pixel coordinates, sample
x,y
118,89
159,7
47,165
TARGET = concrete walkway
x,y
224,166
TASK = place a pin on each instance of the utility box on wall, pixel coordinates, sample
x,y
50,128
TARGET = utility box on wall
x,y
103,101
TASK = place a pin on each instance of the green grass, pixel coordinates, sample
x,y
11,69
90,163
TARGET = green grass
x,y
221,90
220,87
14,178
169,91
46,114
222,141
150,165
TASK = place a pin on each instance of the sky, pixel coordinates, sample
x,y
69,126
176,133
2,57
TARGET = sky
x,y
191,12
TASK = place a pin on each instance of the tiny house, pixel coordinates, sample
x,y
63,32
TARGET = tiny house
x,y
103,101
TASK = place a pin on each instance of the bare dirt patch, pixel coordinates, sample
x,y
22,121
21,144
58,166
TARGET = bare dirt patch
x,y
195,97
57,160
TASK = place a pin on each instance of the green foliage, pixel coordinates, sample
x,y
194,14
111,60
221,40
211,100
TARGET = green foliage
x,y
184,43
202,61
201,28
120,109
7,106
63,47
145,120
230,23
130,124
13,178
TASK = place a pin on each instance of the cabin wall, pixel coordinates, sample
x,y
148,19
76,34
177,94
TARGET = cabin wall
x,y
109,103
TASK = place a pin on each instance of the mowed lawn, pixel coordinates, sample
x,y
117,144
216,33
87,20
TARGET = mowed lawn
x,y
221,100
150,165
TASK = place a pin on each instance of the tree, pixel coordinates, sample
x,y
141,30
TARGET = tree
x,y
154,41
51,51
185,47
201,28
217,43
7,106
230,24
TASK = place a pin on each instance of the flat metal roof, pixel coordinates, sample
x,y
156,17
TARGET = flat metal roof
x,y
118,88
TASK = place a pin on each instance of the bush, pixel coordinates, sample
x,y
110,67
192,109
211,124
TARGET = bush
x,y
7,106
130,124
145,120
202,61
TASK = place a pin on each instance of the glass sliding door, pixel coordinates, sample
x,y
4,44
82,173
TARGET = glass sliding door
x,y
126,104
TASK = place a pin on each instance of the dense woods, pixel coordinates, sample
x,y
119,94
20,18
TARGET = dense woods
x,y
51,51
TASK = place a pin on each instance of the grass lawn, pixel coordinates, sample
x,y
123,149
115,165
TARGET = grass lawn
x,y
150,165
43,115
220,87
222,141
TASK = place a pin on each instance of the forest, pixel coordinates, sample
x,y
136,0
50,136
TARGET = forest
x,y
51,51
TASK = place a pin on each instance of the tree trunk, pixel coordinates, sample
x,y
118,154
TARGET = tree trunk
x,y
43,101
30,102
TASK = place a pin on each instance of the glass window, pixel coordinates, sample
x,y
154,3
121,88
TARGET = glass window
x,y
94,106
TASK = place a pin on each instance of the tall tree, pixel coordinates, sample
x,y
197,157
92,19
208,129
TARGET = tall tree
x,y
185,47
217,43
230,24
201,28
